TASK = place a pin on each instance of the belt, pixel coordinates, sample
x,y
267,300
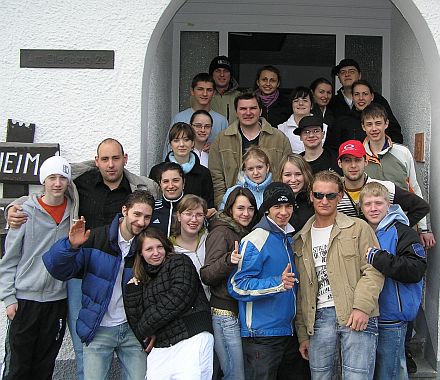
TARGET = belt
x,y
222,312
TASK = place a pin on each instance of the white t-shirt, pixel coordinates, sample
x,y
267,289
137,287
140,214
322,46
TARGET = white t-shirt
x,y
320,239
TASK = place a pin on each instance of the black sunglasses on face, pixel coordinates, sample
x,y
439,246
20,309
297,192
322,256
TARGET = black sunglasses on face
x,y
329,196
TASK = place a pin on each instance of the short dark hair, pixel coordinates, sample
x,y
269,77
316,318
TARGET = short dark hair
x,y
167,166
152,233
108,140
328,176
362,82
181,129
301,92
139,196
202,77
374,110
318,81
201,112
270,68
247,96
233,197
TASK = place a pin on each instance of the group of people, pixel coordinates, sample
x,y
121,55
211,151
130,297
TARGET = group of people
x,y
276,236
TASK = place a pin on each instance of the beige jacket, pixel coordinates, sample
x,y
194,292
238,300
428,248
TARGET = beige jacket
x,y
355,284
225,155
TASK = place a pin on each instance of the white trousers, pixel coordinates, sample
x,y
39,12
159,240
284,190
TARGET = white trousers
x,y
190,359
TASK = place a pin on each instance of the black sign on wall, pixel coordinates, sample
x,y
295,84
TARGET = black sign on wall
x,y
67,59
20,162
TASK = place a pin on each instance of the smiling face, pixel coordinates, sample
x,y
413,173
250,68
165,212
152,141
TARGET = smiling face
x,y
181,147
153,251
256,169
136,219
203,93
292,176
191,221
281,214
242,211
302,106
323,94
375,128
374,209
171,184
362,96
312,137
202,127
268,82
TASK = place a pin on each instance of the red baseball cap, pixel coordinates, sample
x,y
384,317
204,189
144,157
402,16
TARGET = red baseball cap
x,y
353,148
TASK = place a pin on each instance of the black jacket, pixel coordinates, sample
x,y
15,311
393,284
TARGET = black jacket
x,y
302,210
171,305
278,112
198,181
340,107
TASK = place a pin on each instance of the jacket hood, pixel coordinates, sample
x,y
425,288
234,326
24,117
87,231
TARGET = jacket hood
x,y
251,185
201,241
395,214
221,219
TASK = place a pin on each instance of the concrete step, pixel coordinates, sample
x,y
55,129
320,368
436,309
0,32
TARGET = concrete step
x,y
424,369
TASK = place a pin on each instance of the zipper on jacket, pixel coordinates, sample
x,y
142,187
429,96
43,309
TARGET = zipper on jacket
x,y
399,302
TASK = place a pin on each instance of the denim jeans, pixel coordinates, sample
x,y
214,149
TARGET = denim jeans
x,y
358,348
74,294
98,355
390,355
227,345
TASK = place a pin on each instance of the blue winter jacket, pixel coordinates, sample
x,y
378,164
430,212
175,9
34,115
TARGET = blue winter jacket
x,y
266,308
97,262
257,189
402,260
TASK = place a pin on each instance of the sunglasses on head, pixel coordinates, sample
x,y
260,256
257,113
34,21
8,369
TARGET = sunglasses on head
x,y
329,196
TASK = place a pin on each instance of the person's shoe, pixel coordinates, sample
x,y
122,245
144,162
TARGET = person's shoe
x,y
411,365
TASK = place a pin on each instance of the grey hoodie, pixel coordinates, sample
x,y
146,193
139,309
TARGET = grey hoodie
x,y
22,272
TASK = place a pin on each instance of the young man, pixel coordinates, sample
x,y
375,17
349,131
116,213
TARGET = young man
x,y
35,302
402,260
352,160
389,161
202,92
265,286
348,71
225,155
100,187
339,291
103,257
311,132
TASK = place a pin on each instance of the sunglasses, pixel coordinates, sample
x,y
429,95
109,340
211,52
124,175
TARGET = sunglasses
x,y
329,196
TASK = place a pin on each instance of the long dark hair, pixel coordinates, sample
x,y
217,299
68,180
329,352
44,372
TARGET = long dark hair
x,y
139,261
233,197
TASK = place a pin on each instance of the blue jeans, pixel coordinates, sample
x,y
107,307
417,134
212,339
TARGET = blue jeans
x,y
390,355
227,345
98,355
74,295
358,348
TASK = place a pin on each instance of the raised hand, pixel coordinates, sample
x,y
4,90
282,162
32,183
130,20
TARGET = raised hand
x,y
78,234
235,255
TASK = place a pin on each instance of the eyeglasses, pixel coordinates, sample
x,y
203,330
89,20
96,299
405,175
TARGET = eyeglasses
x,y
202,126
191,215
350,71
309,132
329,196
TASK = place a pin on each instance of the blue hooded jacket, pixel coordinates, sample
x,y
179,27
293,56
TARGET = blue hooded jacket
x,y
266,308
402,260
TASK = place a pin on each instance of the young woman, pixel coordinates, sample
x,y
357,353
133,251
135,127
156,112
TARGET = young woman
x,y
255,175
189,232
302,103
198,179
167,308
297,173
201,122
225,232
322,90
276,107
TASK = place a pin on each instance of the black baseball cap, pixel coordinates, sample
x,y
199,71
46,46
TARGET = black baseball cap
x,y
308,121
